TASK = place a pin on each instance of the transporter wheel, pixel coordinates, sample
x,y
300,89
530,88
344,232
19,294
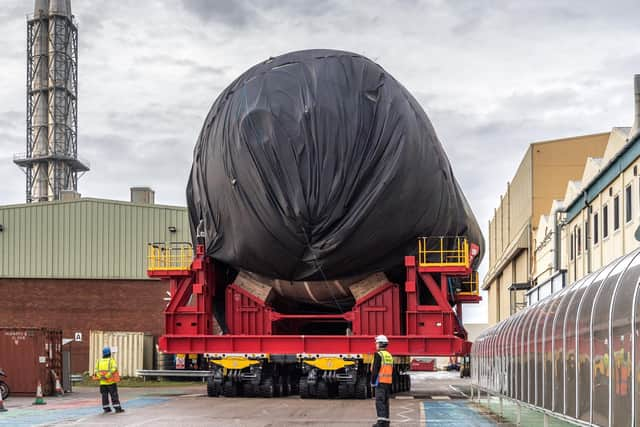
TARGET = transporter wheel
x,y
294,386
361,389
322,389
346,391
286,386
212,389
230,388
267,388
303,388
250,389
277,387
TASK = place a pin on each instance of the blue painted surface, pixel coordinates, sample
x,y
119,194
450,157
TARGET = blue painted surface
x,y
42,415
446,413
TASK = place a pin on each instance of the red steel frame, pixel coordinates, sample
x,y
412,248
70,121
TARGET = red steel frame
x,y
255,328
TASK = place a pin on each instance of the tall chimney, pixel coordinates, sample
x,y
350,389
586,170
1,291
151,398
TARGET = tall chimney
x,y
636,117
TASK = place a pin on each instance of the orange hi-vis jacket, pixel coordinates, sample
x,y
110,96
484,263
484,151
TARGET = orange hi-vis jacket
x,y
385,376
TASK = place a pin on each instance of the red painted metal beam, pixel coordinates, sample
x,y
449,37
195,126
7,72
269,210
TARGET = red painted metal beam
x,y
439,345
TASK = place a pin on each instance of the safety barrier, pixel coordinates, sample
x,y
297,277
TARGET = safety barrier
x,y
443,251
169,256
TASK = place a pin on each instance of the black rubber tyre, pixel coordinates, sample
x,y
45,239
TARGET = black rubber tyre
x,y
266,388
230,389
346,391
294,386
212,389
361,389
277,387
322,389
303,388
286,386
250,390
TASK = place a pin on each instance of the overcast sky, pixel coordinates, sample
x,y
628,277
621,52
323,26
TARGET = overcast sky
x,y
493,76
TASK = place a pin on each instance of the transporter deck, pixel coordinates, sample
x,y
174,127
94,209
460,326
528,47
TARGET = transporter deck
x,y
264,352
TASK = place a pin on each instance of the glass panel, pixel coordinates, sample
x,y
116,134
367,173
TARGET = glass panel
x,y
621,338
522,342
547,373
537,340
513,352
503,356
636,355
558,350
600,345
583,351
570,347
531,354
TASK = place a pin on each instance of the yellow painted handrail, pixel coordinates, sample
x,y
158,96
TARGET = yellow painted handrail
x,y
169,256
470,285
443,252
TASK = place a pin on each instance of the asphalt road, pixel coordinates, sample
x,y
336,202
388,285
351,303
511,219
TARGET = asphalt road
x,y
189,406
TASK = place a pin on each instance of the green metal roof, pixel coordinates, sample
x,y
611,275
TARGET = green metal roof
x,y
625,157
85,238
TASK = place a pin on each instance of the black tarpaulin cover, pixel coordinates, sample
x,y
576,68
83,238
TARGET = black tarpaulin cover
x,y
318,165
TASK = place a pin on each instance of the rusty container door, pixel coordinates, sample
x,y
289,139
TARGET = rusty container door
x,y
29,355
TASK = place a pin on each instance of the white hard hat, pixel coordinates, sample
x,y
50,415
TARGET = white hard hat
x,y
381,339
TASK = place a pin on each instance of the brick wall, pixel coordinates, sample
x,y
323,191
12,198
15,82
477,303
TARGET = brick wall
x,y
82,306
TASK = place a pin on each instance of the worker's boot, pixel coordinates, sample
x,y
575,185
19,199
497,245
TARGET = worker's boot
x,y
107,410
119,410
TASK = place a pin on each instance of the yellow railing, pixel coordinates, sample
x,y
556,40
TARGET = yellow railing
x,y
169,256
470,285
443,252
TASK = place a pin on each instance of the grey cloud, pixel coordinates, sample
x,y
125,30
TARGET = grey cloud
x,y
231,13
192,65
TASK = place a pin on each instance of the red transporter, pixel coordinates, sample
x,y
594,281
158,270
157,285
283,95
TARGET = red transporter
x,y
264,353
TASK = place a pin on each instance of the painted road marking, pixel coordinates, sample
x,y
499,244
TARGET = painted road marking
x,y
47,416
453,413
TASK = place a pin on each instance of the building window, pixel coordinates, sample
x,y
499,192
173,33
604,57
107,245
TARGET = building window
x,y
605,221
628,210
572,248
616,213
586,236
595,228
578,241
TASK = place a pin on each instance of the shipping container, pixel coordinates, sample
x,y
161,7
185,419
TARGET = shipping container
x,y
428,365
29,356
132,350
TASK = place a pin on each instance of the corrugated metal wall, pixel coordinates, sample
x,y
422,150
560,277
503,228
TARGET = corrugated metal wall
x,y
128,348
85,239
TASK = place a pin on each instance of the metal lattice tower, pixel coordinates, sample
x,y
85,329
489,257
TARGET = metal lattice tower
x,y
51,161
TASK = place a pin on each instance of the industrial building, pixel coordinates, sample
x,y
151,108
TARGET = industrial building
x,y
80,265
540,178
598,218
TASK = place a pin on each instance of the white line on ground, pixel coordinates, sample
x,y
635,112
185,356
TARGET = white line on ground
x,y
440,398
405,418
457,390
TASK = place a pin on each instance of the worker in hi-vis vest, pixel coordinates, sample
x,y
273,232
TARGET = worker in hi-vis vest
x,y
381,379
107,372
